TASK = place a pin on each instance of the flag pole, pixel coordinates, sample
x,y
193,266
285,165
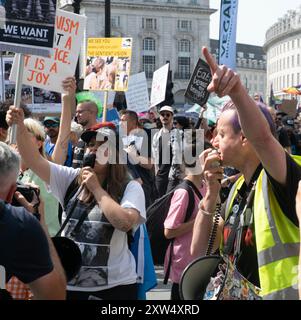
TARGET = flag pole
x,y
18,91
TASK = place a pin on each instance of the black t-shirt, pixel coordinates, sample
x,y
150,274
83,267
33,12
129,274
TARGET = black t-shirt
x,y
285,194
24,250
283,137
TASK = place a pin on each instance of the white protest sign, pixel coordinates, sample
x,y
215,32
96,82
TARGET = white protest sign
x,y
48,73
45,108
137,95
159,85
101,96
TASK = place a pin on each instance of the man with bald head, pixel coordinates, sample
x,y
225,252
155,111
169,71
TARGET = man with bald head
x,y
86,115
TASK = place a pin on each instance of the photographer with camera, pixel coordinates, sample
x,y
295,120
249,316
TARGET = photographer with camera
x,y
26,250
27,176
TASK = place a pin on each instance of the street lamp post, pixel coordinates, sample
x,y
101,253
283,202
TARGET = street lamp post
x,y
76,6
76,9
107,18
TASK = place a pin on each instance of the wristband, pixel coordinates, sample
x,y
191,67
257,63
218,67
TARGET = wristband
x,y
205,213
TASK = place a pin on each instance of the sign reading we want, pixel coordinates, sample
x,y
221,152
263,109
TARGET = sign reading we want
x,y
48,73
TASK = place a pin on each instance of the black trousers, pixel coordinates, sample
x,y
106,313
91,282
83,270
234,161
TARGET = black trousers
x,y
127,292
175,293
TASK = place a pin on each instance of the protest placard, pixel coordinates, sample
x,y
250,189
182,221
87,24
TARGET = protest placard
x,y
289,107
159,85
108,64
198,83
137,98
48,73
27,26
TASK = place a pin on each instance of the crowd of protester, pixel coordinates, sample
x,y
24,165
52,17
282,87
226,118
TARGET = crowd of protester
x,y
97,181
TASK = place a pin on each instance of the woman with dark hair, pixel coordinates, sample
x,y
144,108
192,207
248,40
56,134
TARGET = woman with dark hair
x,y
104,199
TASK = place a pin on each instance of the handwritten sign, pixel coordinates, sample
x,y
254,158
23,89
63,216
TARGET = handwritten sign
x,y
137,95
159,85
197,87
108,66
27,26
48,73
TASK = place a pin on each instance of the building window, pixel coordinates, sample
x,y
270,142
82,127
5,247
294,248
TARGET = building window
x,y
293,61
184,25
184,46
149,56
288,62
240,54
115,21
298,60
149,44
184,67
251,55
149,65
149,23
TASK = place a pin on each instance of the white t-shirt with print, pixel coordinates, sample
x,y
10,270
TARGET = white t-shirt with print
x,y
107,260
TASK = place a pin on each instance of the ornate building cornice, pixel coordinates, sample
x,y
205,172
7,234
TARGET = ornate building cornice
x,y
152,6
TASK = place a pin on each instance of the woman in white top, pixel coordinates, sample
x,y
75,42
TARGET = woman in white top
x,y
108,203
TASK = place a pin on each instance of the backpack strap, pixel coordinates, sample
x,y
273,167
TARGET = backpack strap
x,y
73,187
190,188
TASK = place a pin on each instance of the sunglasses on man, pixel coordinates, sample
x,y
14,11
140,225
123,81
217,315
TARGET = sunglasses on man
x,y
51,125
165,115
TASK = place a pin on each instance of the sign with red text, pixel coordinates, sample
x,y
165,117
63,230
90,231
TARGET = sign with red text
x,y
48,73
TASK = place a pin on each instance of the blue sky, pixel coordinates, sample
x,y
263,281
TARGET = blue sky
x,y
254,18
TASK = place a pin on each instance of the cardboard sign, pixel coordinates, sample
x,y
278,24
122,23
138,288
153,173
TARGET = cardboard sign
x,y
108,64
197,87
27,26
289,107
137,98
49,73
159,85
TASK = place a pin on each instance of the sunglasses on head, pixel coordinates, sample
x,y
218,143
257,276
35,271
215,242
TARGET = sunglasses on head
x,y
167,115
51,125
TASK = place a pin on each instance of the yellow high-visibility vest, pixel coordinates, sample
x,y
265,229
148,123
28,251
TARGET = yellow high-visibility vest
x,y
277,241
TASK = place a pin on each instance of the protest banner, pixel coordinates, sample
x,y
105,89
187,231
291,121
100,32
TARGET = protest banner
x,y
108,64
289,107
199,81
137,98
48,73
227,33
159,85
27,26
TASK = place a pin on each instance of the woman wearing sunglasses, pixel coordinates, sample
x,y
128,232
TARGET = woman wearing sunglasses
x,y
106,203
